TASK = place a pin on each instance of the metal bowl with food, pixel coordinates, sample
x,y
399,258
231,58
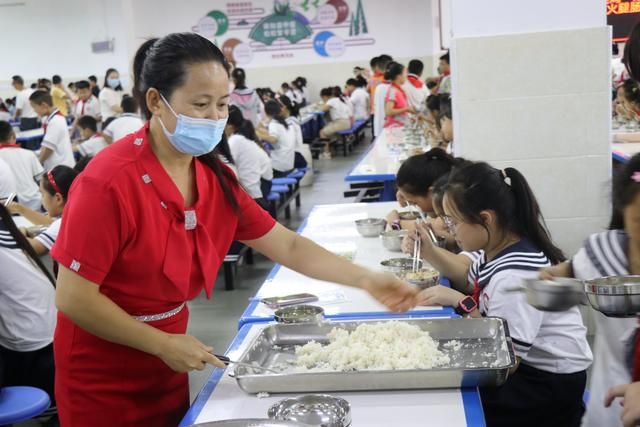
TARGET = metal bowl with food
x,y
559,294
408,215
370,227
614,296
392,239
423,277
300,314
313,409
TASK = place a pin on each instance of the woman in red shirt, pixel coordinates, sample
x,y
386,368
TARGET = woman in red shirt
x,y
396,103
147,225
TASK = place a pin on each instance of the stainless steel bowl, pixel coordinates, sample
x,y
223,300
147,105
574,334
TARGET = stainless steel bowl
x,y
319,410
251,422
614,296
300,314
392,240
399,265
370,227
559,294
408,215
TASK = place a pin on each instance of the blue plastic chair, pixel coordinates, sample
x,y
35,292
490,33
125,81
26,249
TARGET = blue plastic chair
x,y
284,181
280,189
21,403
297,174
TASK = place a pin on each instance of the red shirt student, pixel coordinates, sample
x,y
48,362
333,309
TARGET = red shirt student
x,y
146,228
396,104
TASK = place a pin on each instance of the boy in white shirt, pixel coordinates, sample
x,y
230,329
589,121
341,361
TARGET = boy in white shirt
x,y
87,105
56,143
127,122
415,88
25,167
92,141
359,99
28,118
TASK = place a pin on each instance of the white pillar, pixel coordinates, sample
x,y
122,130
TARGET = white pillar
x,y
531,90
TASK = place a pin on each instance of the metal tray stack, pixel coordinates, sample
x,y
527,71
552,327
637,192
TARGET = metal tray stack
x,y
482,356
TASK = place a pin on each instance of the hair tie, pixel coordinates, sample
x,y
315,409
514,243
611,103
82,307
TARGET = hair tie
x,y
505,178
52,181
636,177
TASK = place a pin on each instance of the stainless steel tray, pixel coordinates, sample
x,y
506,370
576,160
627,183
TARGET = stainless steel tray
x,y
483,359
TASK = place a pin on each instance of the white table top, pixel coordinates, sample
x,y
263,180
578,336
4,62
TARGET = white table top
x,y
332,226
382,161
221,398
29,134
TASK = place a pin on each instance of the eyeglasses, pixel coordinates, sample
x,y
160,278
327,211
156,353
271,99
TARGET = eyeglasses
x,y
451,224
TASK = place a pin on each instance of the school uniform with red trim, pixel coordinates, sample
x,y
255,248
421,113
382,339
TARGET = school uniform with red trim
x,y
56,138
126,229
547,387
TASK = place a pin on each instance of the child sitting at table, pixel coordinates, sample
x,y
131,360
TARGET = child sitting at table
x,y
359,98
56,144
340,114
290,111
281,136
92,141
495,211
54,186
25,167
127,122
87,104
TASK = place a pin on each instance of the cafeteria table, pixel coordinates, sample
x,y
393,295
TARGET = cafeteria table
x,y
30,139
222,399
333,227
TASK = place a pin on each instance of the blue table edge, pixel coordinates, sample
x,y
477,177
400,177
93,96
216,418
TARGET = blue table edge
x,y
474,415
379,177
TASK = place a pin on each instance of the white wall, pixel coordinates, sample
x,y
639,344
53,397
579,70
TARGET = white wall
x,y
67,27
535,95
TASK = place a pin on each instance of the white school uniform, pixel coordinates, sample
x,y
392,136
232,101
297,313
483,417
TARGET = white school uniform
x,y
294,123
7,181
109,98
339,109
604,254
48,237
28,315
361,105
378,107
125,124
90,107
548,341
27,171
283,154
22,103
416,95
252,163
56,138
92,146
5,116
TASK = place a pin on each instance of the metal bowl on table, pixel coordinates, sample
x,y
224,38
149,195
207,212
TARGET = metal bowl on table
x,y
319,410
614,296
300,314
409,215
392,240
250,422
399,265
423,277
370,227
559,294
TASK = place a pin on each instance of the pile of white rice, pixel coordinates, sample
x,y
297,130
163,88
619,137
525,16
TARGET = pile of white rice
x,y
379,346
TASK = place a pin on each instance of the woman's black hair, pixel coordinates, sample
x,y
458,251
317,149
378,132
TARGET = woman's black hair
x,y
418,173
239,78
162,64
393,70
362,82
337,92
437,192
274,110
223,149
631,57
477,186
294,108
285,86
82,163
242,126
106,77
300,82
625,189
631,91
433,103
62,177
23,243
326,92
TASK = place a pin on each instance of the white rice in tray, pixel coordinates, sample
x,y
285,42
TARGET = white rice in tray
x,y
379,346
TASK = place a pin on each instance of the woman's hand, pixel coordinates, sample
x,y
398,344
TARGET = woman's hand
x,y
440,295
390,291
630,415
184,353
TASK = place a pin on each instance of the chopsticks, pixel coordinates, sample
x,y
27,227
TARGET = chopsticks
x,y
417,249
227,361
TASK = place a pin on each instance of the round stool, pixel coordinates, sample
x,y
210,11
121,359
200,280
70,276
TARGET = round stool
x,y
21,403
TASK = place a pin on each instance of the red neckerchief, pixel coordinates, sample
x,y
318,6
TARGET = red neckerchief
x,y
415,81
10,146
378,74
56,112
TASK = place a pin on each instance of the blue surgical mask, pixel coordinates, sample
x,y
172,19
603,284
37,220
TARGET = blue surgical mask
x,y
192,135
113,83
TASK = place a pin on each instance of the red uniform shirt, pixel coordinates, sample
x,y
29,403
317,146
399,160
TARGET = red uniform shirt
x,y
125,228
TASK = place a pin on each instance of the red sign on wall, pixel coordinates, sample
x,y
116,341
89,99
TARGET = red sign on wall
x,y
622,15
